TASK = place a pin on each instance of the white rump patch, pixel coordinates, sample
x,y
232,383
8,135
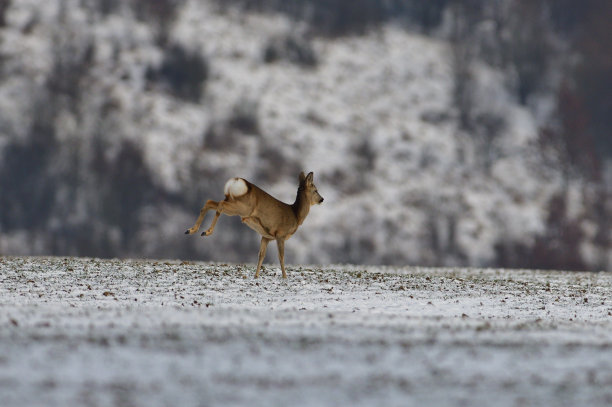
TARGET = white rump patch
x,y
235,187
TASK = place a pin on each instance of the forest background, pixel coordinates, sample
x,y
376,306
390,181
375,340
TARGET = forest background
x,y
446,132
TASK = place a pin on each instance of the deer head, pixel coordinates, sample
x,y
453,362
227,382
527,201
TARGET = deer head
x,y
309,189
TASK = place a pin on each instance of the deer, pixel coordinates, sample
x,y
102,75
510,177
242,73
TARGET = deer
x,y
271,218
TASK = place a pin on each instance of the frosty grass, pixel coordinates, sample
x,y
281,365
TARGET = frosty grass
x,y
89,332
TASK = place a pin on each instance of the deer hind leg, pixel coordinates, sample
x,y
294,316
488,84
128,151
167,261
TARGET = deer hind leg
x,y
207,206
262,254
226,207
281,255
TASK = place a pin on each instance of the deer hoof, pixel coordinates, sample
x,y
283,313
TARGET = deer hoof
x,y
203,234
187,232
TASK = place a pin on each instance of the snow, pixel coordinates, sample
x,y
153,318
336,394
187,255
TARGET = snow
x,y
90,332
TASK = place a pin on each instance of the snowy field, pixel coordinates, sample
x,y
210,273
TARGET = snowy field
x,y
88,332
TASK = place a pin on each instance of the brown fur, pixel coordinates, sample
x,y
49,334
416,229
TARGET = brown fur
x,y
271,218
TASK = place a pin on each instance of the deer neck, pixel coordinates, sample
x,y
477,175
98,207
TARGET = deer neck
x,y
301,207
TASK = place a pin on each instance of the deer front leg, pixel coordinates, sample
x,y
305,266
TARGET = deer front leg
x,y
281,255
208,206
262,254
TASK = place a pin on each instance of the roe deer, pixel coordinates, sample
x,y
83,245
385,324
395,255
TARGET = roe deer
x,y
271,218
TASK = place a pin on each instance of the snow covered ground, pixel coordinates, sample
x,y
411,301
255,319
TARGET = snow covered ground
x,y
89,332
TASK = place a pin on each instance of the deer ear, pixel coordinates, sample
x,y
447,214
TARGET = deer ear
x,y
309,177
302,177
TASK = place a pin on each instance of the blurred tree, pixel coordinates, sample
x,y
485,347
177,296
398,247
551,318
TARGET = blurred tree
x,y
557,248
291,47
347,17
182,72
527,46
27,185
4,6
593,73
160,13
